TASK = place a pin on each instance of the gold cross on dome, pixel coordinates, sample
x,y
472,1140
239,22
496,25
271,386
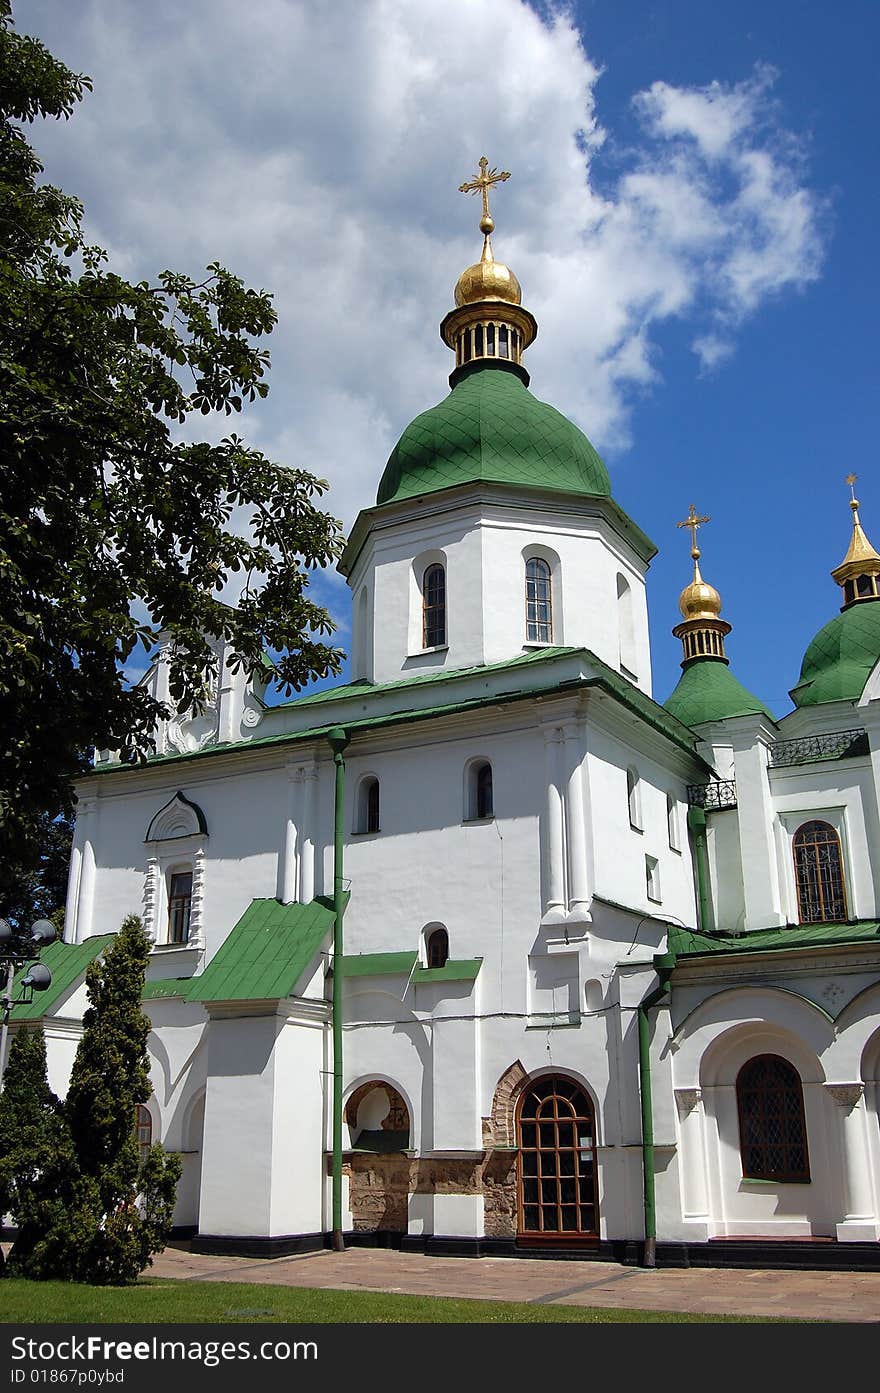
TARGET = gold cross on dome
x,y
482,184
851,480
693,521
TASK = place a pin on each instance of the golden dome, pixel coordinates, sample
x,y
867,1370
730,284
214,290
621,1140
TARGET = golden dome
x,y
699,600
488,280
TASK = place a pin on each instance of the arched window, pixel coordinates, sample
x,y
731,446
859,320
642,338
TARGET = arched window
x,y
434,607
539,601
772,1129
179,906
818,873
484,807
368,805
143,1126
556,1161
626,627
437,947
634,798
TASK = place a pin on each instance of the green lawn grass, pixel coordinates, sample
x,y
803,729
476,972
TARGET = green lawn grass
x,y
158,1300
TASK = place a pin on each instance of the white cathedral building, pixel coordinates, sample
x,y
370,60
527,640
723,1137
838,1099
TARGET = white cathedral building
x,y
610,971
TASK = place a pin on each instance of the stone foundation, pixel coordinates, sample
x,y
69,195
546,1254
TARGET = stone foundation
x,y
380,1186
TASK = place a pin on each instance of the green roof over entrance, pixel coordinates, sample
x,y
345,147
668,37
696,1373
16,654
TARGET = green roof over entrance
x,y
491,429
266,954
708,691
691,943
840,659
67,963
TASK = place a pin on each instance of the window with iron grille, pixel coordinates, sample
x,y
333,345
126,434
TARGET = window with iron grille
x,y
556,1162
772,1128
179,906
434,607
818,871
539,602
143,1126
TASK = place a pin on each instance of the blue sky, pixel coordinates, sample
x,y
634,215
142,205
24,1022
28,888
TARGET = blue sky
x,y
692,216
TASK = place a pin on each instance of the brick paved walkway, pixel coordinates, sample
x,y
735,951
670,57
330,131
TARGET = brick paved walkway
x,y
834,1296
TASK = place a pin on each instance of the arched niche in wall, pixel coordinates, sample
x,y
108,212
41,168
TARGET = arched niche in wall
x,y
377,1118
626,628
175,841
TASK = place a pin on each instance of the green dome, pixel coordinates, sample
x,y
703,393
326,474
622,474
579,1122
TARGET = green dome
x,y
708,691
491,429
840,659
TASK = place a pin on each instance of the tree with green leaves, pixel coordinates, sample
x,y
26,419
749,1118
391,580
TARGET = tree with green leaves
x,y
87,1206
120,1208
34,1142
102,502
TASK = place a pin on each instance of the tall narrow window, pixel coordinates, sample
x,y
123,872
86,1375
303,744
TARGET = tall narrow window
x,y
179,906
539,601
143,1127
634,798
818,870
652,878
672,822
368,805
483,791
437,948
626,628
434,607
772,1128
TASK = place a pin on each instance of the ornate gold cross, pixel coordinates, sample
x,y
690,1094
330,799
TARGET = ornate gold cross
x,y
693,521
482,184
851,480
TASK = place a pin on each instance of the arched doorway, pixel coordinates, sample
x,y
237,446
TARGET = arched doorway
x,y
557,1195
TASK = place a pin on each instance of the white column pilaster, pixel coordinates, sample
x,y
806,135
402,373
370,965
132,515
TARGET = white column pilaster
x,y
196,938
760,869
692,1154
307,840
288,877
87,809
576,825
151,898
860,1220
553,849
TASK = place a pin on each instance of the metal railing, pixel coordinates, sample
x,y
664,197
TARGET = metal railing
x,y
713,797
840,744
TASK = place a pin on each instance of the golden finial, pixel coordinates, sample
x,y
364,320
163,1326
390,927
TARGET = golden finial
x,y
693,521
703,630
859,571
482,184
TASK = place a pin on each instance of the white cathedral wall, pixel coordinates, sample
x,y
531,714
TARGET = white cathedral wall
x,y
484,547
725,870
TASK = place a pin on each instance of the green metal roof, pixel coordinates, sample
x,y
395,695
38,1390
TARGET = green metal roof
x,y
266,953
841,657
691,943
378,964
67,963
708,691
454,970
606,680
491,429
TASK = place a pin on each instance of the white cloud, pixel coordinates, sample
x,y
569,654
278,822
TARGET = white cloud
x,y
317,151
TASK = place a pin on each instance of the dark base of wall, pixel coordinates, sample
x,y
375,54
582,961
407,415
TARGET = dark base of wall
x,y
236,1246
801,1255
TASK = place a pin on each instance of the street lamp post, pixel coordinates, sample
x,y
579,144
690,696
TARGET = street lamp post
x,y
18,948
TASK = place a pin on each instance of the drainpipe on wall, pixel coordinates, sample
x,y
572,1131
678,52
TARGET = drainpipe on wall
x,y
696,820
663,963
337,738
